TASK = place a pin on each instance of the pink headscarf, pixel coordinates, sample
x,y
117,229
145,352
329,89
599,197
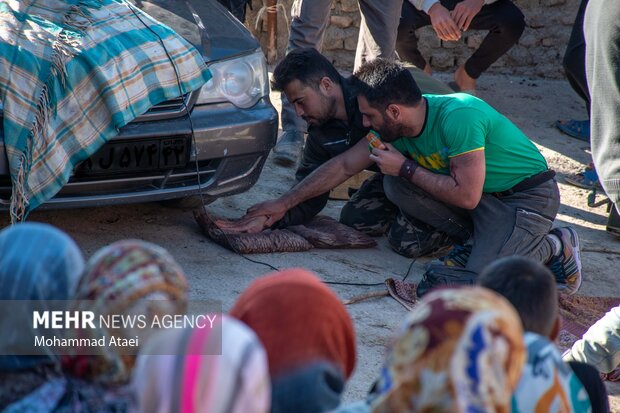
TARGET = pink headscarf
x,y
185,379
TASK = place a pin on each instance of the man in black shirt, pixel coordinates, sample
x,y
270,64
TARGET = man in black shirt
x,y
322,97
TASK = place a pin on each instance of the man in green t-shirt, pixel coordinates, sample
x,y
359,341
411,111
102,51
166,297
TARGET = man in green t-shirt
x,y
457,165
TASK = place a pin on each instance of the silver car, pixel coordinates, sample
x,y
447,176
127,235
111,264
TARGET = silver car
x,y
214,140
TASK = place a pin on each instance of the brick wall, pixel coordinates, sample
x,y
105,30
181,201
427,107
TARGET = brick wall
x,y
539,52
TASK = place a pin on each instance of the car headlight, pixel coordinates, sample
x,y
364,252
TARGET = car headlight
x,y
241,81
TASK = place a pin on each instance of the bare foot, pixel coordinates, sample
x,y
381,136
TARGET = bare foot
x,y
463,80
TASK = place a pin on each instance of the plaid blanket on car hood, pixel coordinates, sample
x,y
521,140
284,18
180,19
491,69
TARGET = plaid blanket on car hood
x,y
71,74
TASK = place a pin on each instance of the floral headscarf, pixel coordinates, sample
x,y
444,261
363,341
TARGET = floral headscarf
x,y
460,350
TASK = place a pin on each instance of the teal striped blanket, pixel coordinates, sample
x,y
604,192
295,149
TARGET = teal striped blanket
x,y
72,72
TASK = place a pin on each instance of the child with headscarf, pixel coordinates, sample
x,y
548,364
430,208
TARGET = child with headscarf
x,y
37,262
308,336
180,372
459,350
126,277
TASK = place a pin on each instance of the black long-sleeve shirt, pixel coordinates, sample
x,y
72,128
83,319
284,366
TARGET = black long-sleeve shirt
x,y
323,143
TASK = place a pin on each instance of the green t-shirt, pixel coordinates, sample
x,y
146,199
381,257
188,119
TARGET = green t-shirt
x,y
460,123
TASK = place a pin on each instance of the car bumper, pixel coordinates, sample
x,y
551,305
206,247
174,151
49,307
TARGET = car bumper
x,y
228,152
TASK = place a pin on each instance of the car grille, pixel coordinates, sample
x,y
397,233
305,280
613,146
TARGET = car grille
x,y
169,106
168,109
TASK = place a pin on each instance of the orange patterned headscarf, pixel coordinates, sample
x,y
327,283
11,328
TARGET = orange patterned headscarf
x,y
299,320
460,350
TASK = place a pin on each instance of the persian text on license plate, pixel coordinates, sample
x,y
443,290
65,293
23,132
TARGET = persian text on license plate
x,y
138,155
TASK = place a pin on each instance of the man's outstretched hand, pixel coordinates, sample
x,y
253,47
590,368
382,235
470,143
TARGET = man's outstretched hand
x,y
250,225
257,218
274,211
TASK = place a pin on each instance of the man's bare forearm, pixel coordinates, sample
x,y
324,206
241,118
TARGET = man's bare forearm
x,y
329,175
463,187
445,188
323,179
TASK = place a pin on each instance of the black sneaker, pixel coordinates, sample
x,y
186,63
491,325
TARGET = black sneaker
x,y
288,148
566,267
458,256
413,242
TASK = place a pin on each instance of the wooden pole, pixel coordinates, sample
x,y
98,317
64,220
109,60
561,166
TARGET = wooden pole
x,y
272,30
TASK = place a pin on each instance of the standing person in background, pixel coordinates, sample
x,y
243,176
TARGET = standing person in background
x,y
450,18
575,69
377,38
602,34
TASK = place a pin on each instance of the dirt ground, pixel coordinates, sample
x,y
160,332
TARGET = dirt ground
x,y
215,273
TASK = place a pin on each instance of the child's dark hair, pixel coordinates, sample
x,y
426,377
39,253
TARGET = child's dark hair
x,y
529,286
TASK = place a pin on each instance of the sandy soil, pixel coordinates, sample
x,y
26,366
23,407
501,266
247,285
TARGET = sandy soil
x,y
215,273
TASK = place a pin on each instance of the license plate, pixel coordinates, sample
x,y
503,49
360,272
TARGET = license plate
x,y
129,156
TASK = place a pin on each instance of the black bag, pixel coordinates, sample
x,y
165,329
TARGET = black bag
x,y
440,275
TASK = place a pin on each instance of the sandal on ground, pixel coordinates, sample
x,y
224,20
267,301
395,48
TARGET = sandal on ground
x,y
588,179
578,129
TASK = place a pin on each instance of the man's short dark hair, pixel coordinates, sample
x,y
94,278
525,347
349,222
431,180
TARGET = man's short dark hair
x,y
529,286
306,65
383,82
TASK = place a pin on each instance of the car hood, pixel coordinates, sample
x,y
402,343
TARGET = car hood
x,y
204,23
